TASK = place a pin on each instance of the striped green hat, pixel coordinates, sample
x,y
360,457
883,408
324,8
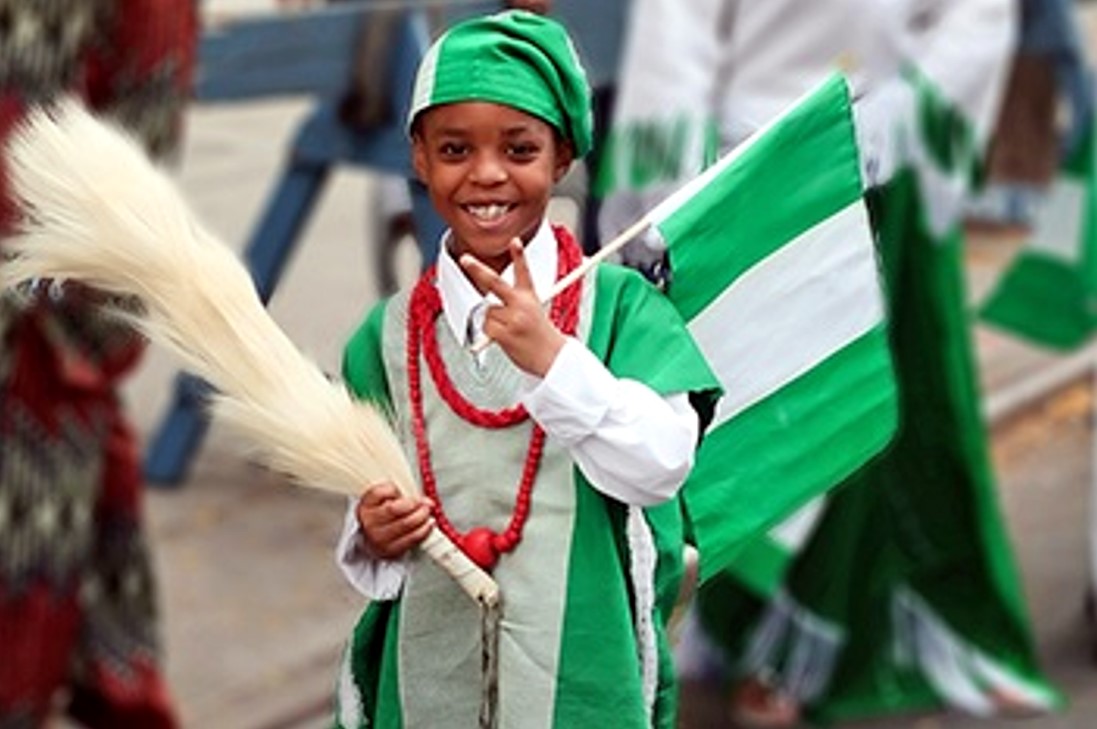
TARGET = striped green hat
x,y
515,58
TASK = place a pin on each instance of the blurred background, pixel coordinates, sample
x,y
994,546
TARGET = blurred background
x,y
254,611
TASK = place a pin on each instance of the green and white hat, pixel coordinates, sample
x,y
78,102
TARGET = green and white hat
x,y
516,58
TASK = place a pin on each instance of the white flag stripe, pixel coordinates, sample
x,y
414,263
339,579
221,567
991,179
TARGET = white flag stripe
x,y
1058,227
765,330
793,532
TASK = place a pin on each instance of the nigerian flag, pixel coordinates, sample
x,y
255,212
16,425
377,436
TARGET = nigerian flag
x,y
898,592
1049,293
774,269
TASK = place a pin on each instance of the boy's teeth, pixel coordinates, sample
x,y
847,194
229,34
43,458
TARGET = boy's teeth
x,y
487,212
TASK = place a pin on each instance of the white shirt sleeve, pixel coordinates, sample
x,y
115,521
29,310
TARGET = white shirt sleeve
x,y
631,443
377,579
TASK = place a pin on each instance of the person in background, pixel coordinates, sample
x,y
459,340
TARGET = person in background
x,y
78,613
1041,164
1046,111
897,592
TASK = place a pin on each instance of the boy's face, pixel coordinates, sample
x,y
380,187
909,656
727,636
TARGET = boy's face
x,y
490,170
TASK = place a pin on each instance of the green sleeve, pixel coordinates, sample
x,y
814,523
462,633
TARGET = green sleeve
x,y
363,364
639,334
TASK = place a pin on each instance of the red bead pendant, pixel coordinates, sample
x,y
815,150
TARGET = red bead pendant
x,y
479,545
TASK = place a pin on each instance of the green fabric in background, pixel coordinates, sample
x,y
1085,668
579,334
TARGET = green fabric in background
x,y
1048,295
922,519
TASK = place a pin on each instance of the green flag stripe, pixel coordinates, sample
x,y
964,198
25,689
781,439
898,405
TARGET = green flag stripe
x,y
766,173
1044,300
792,310
752,467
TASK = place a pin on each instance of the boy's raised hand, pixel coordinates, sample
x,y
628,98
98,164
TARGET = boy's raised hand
x,y
392,523
519,325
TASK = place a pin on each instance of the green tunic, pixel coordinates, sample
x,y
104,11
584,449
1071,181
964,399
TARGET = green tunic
x,y
587,590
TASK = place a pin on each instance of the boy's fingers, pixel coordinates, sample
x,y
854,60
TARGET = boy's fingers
x,y
412,538
392,530
390,534
403,507
372,502
523,279
486,279
378,509
379,493
399,508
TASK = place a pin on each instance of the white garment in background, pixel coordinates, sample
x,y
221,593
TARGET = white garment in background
x,y
779,49
740,63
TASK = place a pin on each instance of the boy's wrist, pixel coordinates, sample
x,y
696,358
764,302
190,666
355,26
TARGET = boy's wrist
x,y
571,400
548,354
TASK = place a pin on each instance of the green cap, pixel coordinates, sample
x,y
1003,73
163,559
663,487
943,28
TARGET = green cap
x,y
515,58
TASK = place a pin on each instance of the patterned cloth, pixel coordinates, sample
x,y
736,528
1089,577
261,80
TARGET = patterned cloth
x,y
77,607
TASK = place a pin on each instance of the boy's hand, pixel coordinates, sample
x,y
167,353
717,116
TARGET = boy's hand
x,y
520,325
392,523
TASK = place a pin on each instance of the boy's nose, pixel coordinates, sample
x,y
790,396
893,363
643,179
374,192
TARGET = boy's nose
x,y
489,170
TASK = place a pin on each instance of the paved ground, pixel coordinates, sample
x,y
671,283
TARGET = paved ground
x,y
254,610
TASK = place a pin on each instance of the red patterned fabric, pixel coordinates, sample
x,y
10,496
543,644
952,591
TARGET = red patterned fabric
x,y
77,600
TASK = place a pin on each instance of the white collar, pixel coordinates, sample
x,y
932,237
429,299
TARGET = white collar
x,y
460,298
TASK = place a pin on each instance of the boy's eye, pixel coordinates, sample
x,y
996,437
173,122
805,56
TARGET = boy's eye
x,y
523,150
453,149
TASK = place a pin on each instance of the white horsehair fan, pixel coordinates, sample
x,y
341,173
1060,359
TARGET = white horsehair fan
x,y
97,211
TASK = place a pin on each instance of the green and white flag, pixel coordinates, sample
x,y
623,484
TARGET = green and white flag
x,y
774,269
905,123
1049,293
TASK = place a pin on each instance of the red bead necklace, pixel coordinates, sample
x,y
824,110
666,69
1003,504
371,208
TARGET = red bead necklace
x,y
481,544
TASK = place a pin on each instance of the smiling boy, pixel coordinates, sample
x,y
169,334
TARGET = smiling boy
x,y
554,458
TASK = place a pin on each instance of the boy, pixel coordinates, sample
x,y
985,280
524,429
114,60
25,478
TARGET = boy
x,y
585,407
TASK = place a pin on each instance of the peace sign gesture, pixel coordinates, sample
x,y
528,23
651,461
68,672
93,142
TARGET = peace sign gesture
x,y
519,324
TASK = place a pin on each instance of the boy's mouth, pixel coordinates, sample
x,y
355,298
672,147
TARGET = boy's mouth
x,y
488,213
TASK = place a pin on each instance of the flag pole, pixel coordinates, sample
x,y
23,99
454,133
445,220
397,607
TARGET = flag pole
x,y
581,270
603,253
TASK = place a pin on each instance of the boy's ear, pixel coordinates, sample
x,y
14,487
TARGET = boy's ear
x,y
419,157
565,155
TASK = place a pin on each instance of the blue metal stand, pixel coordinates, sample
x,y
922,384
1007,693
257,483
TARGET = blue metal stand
x,y
310,53
321,143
